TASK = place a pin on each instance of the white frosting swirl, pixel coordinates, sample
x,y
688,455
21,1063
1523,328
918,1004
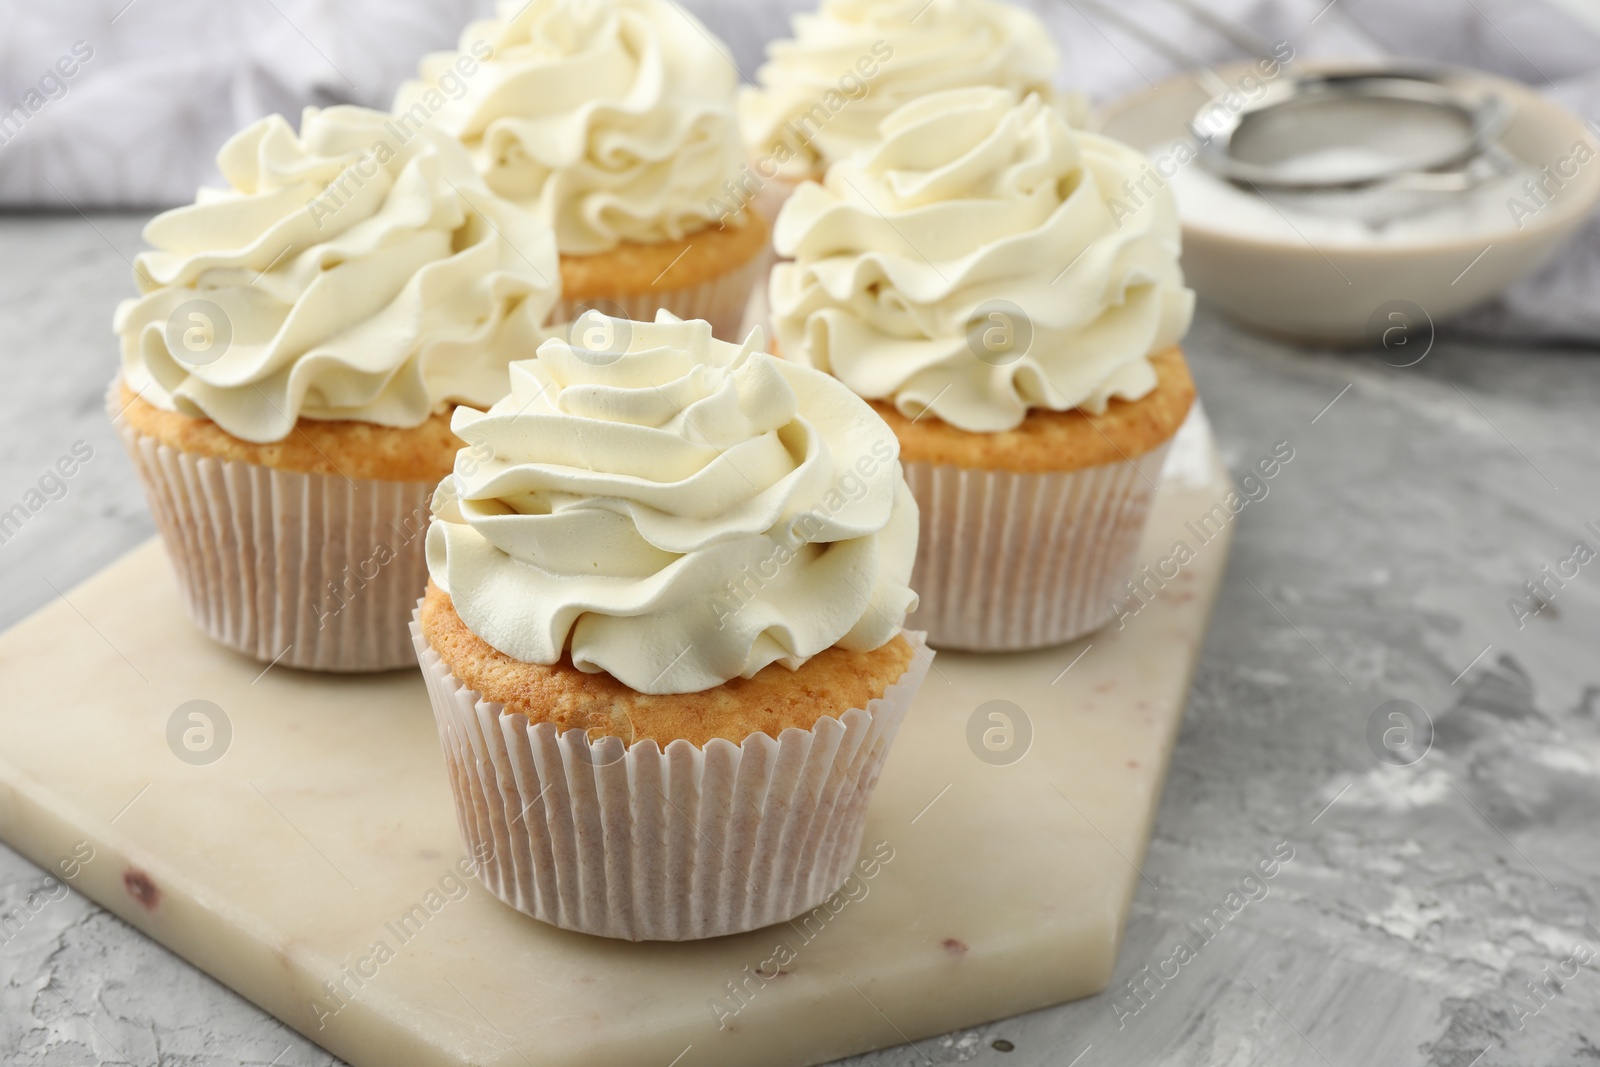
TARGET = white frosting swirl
x,y
612,119
349,272
974,199
852,63
674,510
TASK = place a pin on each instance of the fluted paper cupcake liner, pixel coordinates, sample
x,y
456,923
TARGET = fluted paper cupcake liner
x,y
650,844
720,301
1009,561
306,570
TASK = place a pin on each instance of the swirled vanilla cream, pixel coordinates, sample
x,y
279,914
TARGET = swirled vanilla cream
x,y
355,270
673,510
613,120
984,260
821,95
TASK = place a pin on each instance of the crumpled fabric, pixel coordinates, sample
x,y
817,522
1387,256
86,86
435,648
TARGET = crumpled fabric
x,y
140,122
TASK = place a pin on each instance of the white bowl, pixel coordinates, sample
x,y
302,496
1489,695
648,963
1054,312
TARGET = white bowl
x,y
1331,293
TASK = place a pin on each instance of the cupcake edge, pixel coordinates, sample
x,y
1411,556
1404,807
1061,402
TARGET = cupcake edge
x,y
622,283
607,845
307,570
1009,561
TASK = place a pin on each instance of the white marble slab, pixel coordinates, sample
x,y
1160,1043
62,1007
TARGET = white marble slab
x,y
285,867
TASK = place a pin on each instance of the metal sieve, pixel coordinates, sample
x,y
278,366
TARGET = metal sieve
x,y
1369,142
1374,143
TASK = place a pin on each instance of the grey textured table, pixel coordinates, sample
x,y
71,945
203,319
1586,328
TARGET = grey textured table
x,y
1420,901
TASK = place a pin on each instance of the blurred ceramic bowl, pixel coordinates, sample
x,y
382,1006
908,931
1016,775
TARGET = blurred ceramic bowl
x,y
1331,292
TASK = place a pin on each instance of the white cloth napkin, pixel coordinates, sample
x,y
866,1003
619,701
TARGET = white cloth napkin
x,y
165,82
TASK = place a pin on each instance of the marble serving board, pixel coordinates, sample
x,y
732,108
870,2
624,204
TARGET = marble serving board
x,y
298,842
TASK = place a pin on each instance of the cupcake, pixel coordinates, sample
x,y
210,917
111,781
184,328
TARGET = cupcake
x,y
663,632
289,368
1006,293
820,96
613,120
